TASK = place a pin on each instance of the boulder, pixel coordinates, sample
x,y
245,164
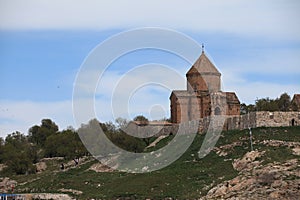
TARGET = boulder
x,y
40,166
248,161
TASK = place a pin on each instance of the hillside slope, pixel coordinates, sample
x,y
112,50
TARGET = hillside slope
x,y
231,170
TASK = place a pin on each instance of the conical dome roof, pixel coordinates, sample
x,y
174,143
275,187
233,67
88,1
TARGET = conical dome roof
x,y
204,66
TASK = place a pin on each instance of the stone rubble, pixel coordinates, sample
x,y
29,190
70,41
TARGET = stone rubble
x,y
248,161
99,167
41,166
51,196
272,181
6,184
76,192
225,149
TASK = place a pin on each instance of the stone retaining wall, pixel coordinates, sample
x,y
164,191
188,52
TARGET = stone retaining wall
x,y
263,119
238,122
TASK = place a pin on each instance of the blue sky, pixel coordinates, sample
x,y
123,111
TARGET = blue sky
x,y
254,44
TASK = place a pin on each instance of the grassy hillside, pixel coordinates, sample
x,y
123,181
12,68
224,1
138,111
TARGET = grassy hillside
x,y
187,178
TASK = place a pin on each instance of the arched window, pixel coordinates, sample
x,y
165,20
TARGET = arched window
x,y
217,111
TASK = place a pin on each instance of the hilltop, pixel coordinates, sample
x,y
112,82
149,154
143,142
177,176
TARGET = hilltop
x,y
231,170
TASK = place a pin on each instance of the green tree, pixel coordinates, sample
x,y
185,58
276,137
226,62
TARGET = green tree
x,y
141,118
284,102
266,104
127,142
66,143
108,127
39,134
18,154
1,149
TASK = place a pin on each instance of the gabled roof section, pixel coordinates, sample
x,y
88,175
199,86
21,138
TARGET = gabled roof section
x,y
180,93
204,66
232,98
296,99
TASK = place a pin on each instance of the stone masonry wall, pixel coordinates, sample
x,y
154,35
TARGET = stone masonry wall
x,y
275,119
263,119
238,122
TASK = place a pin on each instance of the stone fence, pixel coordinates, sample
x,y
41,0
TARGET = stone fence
x,y
263,119
238,122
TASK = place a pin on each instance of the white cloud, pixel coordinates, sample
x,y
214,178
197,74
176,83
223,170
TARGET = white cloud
x,y
249,91
267,18
265,61
21,115
136,91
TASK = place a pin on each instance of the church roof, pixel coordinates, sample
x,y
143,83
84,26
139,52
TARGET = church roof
x,y
204,66
296,99
232,98
180,93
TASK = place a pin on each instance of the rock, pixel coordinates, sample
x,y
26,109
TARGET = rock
x,y
221,191
278,183
247,162
2,166
234,181
275,195
296,151
279,143
266,178
51,196
6,184
261,182
236,187
53,158
99,167
217,191
225,149
40,166
76,192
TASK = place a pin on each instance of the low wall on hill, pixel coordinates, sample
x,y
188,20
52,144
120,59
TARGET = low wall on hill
x,y
148,130
263,119
238,122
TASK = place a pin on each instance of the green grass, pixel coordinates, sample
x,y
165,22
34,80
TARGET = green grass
x,y
187,178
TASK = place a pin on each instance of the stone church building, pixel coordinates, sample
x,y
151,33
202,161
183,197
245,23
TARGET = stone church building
x,y
203,99
203,96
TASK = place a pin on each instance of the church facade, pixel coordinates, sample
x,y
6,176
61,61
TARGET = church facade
x,y
203,96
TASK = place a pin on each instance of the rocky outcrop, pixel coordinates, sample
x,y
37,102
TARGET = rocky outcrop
x,y
279,143
2,166
46,196
272,181
248,161
296,151
40,166
76,192
7,185
99,167
225,149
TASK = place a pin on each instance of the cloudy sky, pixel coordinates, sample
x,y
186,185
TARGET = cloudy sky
x,y
255,45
